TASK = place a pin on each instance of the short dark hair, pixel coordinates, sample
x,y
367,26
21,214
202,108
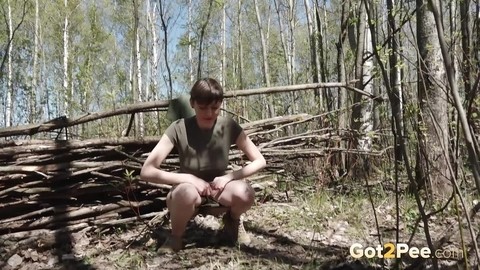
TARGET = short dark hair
x,y
206,91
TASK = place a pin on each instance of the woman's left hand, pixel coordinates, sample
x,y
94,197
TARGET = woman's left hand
x,y
219,182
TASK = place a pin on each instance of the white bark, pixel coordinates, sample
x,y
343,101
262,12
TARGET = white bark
x,y
66,98
265,68
34,83
224,45
241,85
138,70
240,45
9,102
266,75
291,39
190,54
280,15
365,142
292,51
223,68
312,40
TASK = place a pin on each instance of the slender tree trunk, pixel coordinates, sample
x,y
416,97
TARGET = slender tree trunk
x,y
313,40
34,85
67,96
342,95
467,57
240,45
202,36
154,59
244,107
190,54
330,96
447,62
67,109
165,50
280,15
396,100
356,120
292,22
9,100
476,45
366,127
137,77
291,40
265,67
224,46
431,166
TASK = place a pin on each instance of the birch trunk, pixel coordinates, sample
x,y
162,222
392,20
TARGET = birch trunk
x,y
34,85
342,95
283,41
313,40
202,36
244,107
190,54
366,113
154,59
9,98
136,72
265,68
223,45
330,96
431,166
67,91
292,22
358,42
66,97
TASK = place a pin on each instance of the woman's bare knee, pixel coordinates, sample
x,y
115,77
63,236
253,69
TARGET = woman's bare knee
x,y
184,194
238,192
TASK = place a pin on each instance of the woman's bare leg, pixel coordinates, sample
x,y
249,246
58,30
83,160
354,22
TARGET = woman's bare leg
x,y
238,195
182,202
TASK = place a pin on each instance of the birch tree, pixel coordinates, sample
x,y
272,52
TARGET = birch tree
x,y
366,128
202,37
223,45
240,58
265,68
34,87
361,120
190,47
9,98
341,73
136,61
322,57
313,40
431,163
66,81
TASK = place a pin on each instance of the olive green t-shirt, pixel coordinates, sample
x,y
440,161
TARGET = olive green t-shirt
x,y
203,153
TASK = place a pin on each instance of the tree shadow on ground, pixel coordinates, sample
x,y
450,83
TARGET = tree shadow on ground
x,y
266,246
314,256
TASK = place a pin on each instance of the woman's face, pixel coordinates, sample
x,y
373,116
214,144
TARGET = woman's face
x,y
206,113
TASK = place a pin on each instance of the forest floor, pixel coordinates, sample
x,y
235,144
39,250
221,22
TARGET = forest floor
x,y
305,228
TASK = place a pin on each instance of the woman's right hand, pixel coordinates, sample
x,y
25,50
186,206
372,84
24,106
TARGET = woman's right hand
x,y
203,188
